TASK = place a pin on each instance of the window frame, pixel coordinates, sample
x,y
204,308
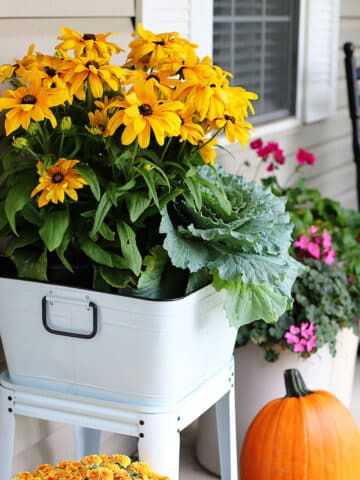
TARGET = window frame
x,y
202,32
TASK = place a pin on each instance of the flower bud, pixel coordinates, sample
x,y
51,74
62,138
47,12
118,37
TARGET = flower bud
x,y
33,129
65,124
148,167
20,143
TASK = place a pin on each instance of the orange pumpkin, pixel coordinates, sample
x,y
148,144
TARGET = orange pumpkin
x,y
303,436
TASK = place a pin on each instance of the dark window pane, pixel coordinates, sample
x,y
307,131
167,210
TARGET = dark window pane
x,y
259,48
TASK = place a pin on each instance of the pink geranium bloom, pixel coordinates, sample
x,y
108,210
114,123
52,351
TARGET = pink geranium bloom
x,y
326,239
329,257
313,229
314,250
303,156
299,347
302,243
311,344
270,168
256,144
291,339
294,329
307,329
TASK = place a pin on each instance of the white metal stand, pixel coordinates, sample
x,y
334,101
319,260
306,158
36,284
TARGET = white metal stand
x,y
157,428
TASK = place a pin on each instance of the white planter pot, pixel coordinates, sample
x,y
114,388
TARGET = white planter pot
x,y
258,381
143,350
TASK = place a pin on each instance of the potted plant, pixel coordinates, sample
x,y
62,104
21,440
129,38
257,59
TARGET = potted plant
x,y
94,467
310,336
109,176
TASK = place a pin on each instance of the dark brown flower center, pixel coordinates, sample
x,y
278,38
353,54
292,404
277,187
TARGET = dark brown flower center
x,y
230,118
89,36
50,71
93,63
28,99
57,177
145,109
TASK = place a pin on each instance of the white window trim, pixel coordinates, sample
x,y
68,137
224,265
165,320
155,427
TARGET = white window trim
x,y
201,14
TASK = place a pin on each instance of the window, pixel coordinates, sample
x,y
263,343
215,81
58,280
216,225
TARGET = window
x,y
257,41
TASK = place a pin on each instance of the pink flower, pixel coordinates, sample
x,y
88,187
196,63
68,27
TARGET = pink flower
x,y
303,156
291,339
299,347
294,329
326,239
256,144
270,167
329,257
307,330
313,229
302,243
351,278
314,250
311,344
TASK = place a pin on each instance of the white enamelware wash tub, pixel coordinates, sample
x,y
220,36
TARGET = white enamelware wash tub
x,y
111,346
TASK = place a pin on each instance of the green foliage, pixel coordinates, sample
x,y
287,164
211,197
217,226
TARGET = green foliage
x,y
320,295
241,237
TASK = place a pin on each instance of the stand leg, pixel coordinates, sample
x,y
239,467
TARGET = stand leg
x,y
226,428
87,441
159,443
7,432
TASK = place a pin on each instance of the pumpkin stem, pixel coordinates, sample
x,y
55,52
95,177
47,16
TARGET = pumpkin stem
x,y
294,384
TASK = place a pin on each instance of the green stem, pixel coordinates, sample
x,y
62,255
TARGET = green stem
x,y
165,149
294,384
44,138
292,174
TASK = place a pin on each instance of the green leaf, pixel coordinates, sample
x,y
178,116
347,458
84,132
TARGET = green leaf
x,y
61,249
30,265
90,176
149,180
246,303
129,247
106,232
160,279
193,187
115,277
26,237
115,191
54,227
100,255
17,197
9,159
137,203
32,214
101,212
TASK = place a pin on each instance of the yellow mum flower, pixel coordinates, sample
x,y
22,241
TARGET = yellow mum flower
x,y
56,181
30,103
191,132
87,44
96,72
144,113
158,50
235,128
101,473
7,71
207,151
